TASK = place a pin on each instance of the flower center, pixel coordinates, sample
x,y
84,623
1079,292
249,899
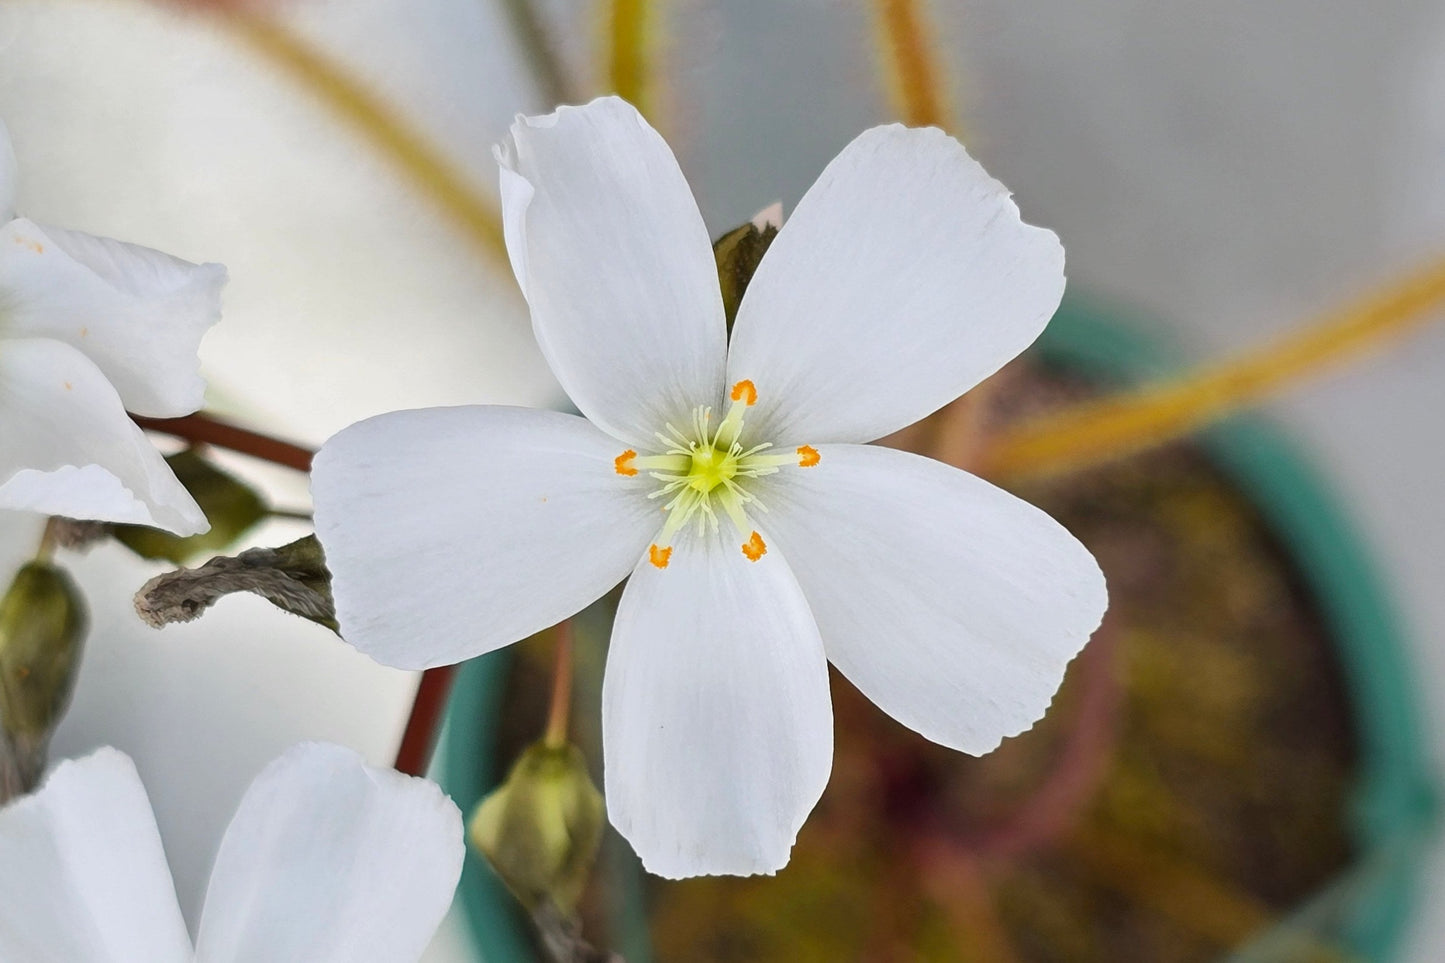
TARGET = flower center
x,y
702,471
710,468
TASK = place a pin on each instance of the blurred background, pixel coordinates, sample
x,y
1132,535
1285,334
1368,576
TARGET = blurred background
x,y
1221,173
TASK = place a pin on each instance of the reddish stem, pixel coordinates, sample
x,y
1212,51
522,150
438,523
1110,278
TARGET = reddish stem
x,y
1083,761
419,738
205,429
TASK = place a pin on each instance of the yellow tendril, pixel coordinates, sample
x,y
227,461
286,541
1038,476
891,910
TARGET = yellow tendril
x,y
1111,428
906,54
629,47
349,99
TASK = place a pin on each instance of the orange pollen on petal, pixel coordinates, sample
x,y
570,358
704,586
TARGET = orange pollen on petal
x,y
746,392
755,548
659,556
808,456
623,463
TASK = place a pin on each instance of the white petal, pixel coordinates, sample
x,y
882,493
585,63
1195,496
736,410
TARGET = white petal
x,y
83,877
137,313
616,264
717,729
904,278
67,447
950,603
7,175
450,532
329,860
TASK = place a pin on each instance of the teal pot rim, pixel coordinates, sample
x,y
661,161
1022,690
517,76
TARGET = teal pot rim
x,y
1394,804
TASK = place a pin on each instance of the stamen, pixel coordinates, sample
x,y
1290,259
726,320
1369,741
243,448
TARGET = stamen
x,y
732,499
755,548
746,392
659,556
808,456
673,463
623,463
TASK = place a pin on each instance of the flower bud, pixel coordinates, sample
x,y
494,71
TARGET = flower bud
x,y
42,627
738,254
541,828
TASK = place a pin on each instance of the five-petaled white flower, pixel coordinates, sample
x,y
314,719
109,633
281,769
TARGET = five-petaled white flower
x,y
327,860
763,538
91,328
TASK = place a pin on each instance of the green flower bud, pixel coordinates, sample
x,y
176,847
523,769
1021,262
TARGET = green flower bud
x,y
231,506
541,828
738,253
42,628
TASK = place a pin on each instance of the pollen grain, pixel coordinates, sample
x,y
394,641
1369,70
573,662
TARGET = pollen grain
x,y
746,392
755,548
623,463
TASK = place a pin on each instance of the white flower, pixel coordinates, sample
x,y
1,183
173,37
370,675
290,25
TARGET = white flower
x,y
91,328
327,860
903,279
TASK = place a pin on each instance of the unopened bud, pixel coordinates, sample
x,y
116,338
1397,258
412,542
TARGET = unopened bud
x,y
42,628
541,828
738,254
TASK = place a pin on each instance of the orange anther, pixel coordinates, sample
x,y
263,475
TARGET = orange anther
x,y
623,463
755,548
808,456
659,556
746,392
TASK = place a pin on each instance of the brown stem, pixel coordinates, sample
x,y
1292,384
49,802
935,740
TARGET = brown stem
x,y
419,738
561,709
206,429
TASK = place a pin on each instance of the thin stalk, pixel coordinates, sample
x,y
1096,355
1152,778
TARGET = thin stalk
x,y
560,712
556,84
45,551
201,428
907,53
1111,428
629,48
419,739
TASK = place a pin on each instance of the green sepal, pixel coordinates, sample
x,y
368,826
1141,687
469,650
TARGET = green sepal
x,y
738,253
42,631
541,828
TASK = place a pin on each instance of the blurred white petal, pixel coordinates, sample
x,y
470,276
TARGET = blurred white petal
x,y
68,448
83,877
138,314
329,860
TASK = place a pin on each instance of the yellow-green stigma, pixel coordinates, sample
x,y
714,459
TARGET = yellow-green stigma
x,y
710,468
